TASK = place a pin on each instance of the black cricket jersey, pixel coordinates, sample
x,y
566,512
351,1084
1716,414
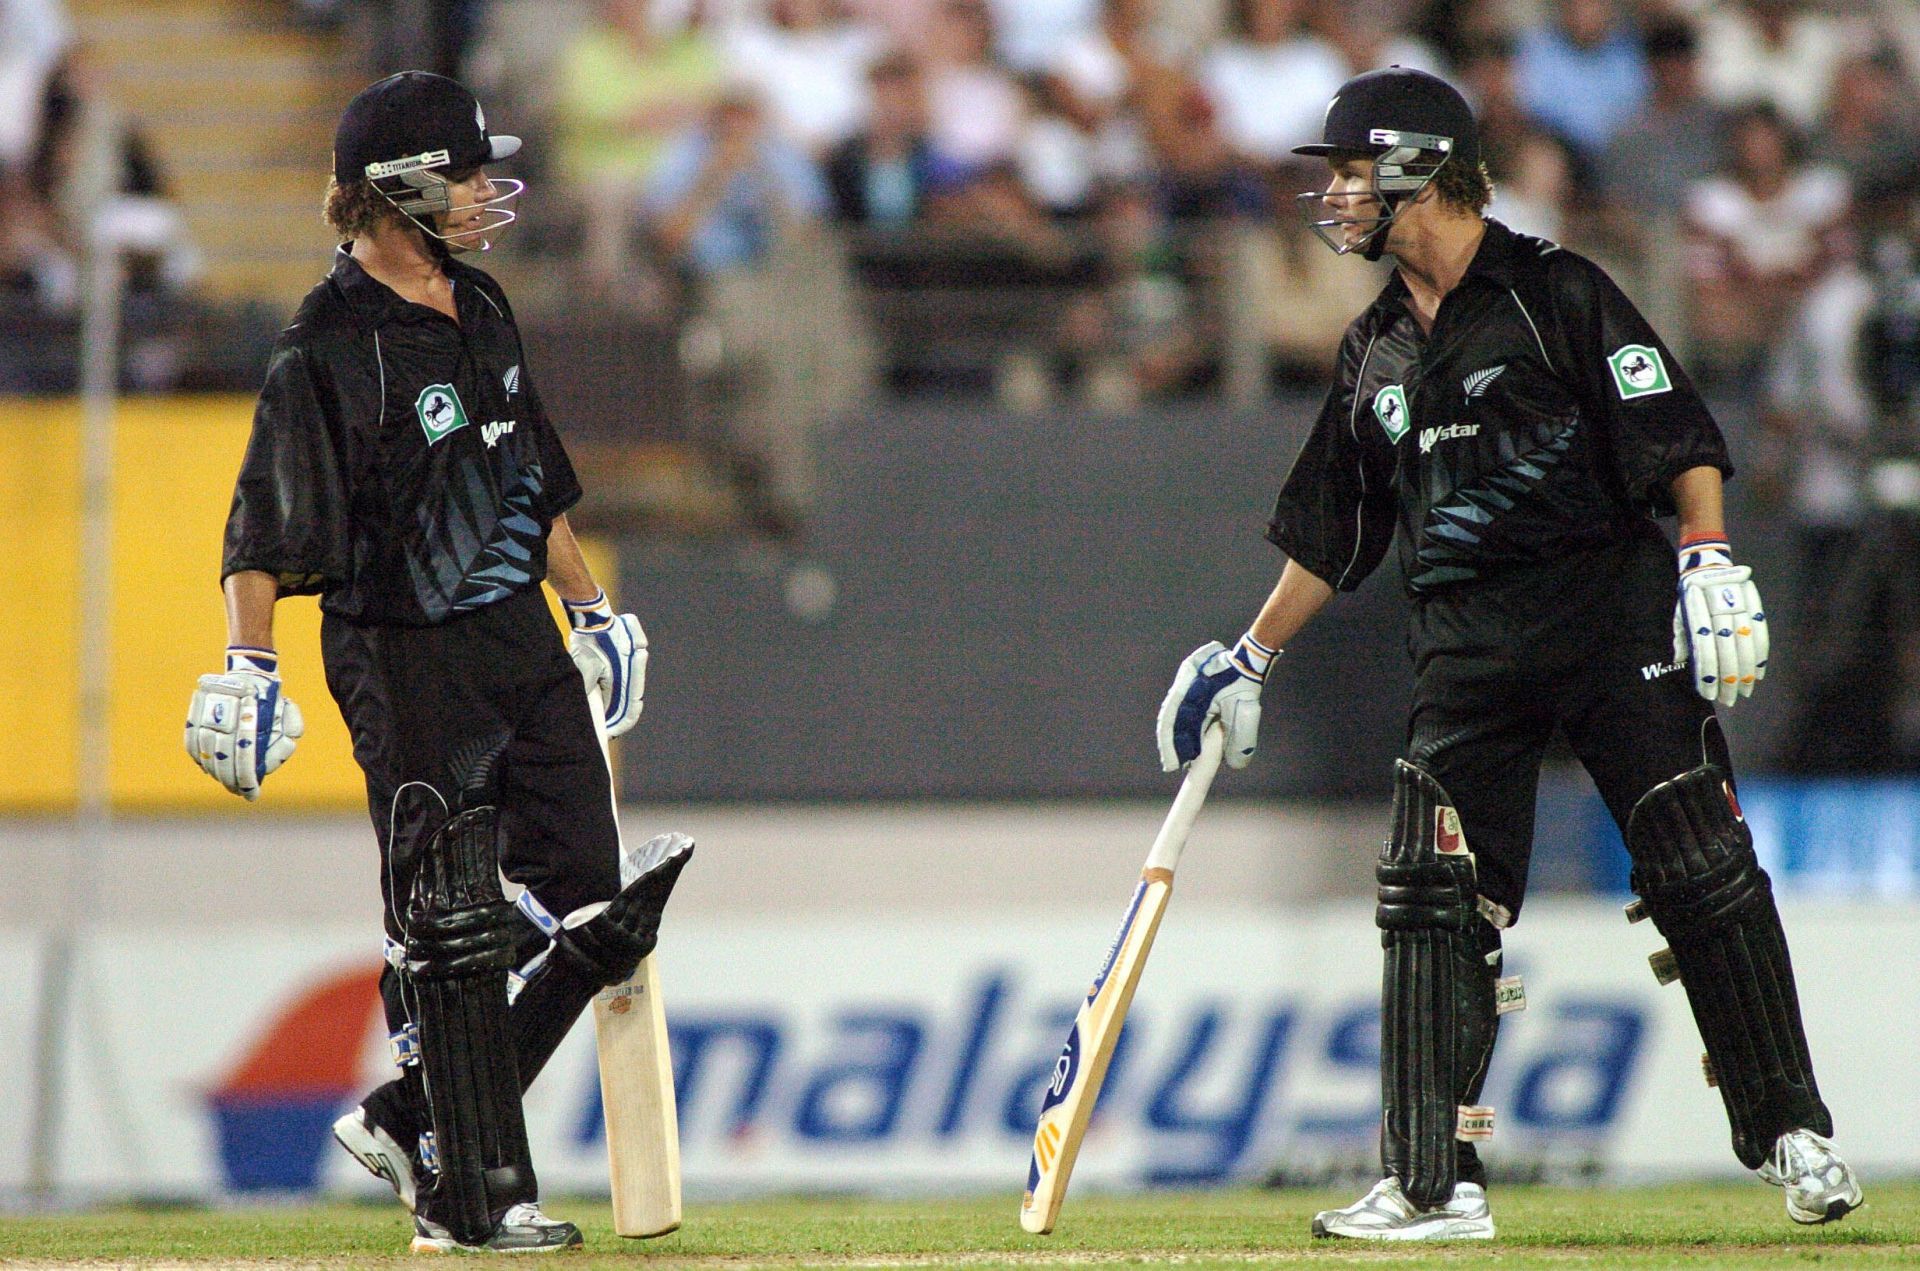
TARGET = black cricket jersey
x,y
1541,417
401,464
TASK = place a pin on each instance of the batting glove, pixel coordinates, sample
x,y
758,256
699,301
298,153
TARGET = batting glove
x,y
1718,624
1214,684
239,726
611,651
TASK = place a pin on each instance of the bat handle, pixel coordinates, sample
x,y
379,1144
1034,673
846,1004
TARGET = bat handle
x,y
1172,839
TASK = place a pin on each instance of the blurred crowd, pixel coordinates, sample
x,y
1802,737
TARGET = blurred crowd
x,y
1095,198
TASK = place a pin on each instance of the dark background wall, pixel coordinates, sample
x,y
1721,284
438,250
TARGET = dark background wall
x,y
1012,595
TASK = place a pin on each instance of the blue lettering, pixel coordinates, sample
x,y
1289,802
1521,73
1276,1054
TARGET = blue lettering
x,y
860,1101
696,1041
1578,1086
1352,1046
986,1013
1232,1125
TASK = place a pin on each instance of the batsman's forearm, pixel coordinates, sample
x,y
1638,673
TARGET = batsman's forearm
x,y
567,570
251,594
1297,597
1696,497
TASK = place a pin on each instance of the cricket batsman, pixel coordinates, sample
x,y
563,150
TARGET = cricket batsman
x,y
402,467
1507,410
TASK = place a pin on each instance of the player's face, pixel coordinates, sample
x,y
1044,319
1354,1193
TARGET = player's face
x,y
472,226
1351,200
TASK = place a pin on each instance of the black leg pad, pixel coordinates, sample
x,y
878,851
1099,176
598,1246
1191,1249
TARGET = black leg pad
x,y
461,939
1694,866
1437,1013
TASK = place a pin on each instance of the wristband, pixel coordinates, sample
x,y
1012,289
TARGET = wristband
x,y
242,658
1703,551
588,615
1252,658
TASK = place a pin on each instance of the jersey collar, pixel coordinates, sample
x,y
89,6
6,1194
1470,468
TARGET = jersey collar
x,y
372,303
1492,263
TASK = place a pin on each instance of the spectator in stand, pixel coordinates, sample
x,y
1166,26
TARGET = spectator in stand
x,y
1536,194
810,65
1582,76
38,272
1678,134
1269,81
1137,335
34,36
1369,34
627,86
975,108
1489,80
99,170
1459,29
885,175
1872,129
1081,132
726,189
1760,234
1779,51
1028,33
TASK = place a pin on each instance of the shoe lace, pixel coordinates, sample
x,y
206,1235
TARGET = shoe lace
x,y
1800,1156
527,1214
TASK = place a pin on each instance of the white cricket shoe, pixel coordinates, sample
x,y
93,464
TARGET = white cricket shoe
x,y
523,1229
1385,1213
1819,1186
374,1148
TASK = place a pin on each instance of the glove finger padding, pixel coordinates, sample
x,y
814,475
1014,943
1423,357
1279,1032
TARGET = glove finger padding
x,y
628,694
1762,644
1706,657
1177,728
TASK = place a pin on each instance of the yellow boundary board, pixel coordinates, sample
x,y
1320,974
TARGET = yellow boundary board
x,y
175,459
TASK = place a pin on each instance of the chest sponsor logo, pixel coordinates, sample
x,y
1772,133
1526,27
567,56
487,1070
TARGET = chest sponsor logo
x,y
1476,384
512,379
440,411
1429,436
494,430
1390,407
1638,371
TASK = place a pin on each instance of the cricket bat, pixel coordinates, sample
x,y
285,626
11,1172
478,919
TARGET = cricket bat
x,y
636,1086
1082,1066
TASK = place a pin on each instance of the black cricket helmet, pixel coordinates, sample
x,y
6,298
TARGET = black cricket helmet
x,y
407,134
1412,124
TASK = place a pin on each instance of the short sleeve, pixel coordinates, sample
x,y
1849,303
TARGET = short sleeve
x,y
290,504
1649,414
1335,513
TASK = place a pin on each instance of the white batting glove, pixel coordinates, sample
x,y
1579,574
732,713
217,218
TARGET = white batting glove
x,y
1718,624
240,727
611,651
1214,684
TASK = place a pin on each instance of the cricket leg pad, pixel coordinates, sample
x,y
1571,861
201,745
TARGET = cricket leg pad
x,y
1437,1014
462,937
1694,866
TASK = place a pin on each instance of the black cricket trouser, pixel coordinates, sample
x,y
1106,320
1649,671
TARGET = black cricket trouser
x,y
1586,646
420,703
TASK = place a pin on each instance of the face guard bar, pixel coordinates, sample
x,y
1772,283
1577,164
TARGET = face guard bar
x,y
419,192
1401,169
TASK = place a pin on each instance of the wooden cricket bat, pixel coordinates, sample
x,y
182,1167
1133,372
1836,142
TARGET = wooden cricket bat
x,y
636,1087
1082,1066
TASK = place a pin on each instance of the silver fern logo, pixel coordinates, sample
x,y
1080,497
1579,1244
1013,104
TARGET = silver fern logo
x,y
1475,385
512,379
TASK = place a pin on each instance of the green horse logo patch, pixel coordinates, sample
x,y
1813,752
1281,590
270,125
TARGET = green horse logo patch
x,y
1390,406
440,411
1638,371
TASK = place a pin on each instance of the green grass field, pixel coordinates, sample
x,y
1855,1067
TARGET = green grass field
x,y
1689,1226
